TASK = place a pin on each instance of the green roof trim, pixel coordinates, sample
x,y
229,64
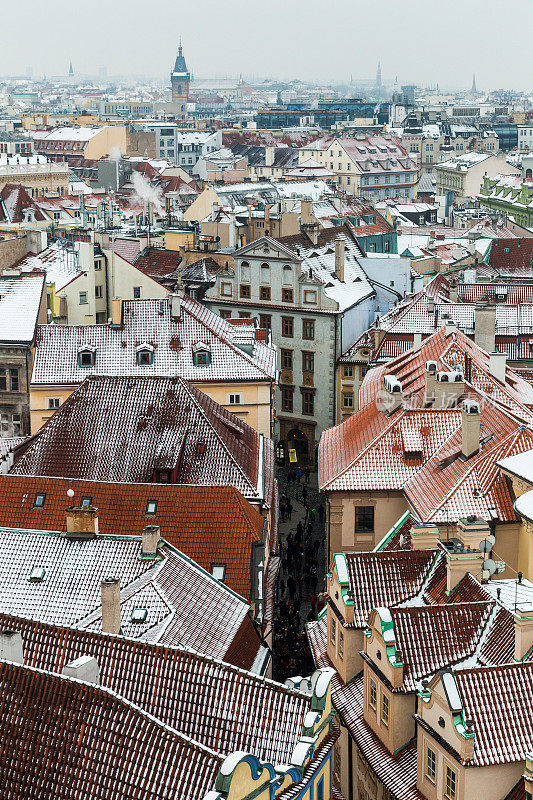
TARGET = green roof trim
x,y
393,531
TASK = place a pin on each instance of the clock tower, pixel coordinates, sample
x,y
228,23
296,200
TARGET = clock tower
x,y
180,79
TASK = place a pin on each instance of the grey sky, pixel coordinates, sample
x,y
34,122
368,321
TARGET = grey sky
x,y
419,40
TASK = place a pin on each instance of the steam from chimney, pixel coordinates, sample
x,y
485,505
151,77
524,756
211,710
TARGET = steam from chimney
x,y
115,153
145,192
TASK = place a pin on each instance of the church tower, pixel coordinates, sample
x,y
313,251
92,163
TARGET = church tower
x,y
180,79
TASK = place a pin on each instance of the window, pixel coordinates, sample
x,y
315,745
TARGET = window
x,y
265,273
234,399
308,329
287,403
373,695
136,292
244,315
450,791
287,274
309,297
287,326
201,358
245,272
17,424
218,571
54,402
225,289
431,765
308,361
264,292
286,359
265,321
287,295
151,508
83,298
347,399
320,789
37,574
308,402
14,376
332,630
145,356
86,502
341,645
225,313
385,710
98,265
364,519
98,292
38,502
86,358
139,615
244,290
4,423
347,371
364,370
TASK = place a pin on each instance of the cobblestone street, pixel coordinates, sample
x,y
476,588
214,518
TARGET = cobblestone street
x,y
302,571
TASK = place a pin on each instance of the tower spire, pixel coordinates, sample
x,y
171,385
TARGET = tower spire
x,y
474,88
378,76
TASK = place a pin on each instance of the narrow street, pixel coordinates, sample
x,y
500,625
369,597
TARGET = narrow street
x,y
302,573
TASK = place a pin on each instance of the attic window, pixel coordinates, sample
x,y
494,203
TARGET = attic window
x,y
86,356
145,355
139,615
37,574
201,355
40,497
86,502
151,507
218,571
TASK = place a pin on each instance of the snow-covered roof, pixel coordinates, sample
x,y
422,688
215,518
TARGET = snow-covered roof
x,y
20,301
60,264
68,134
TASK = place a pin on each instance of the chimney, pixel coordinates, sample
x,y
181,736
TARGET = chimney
x,y
470,428
215,208
270,154
175,304
150,539
82,523
84,668
449,387
110,605
306,212
460,562
454,290
430,380
424,537
11,647
485,327
417,342
497,365
392,395
523,630
340,246
116,312
472,530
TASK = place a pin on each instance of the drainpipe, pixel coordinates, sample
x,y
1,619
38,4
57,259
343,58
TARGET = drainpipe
x,y
335,367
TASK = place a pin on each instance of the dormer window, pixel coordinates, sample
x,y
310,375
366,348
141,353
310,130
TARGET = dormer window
x,y
144,355
201,355
86,356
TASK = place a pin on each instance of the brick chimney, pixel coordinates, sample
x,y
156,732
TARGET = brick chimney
x,y
270,155
116,312
110,605
11,647
150,539
306,215
523,630
340,247
424,537
430,380
449,388
82,523
84,668
485,327
470,428
497,365
461,561
472,530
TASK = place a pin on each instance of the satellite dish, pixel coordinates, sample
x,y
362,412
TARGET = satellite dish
x,y
487,544
490,566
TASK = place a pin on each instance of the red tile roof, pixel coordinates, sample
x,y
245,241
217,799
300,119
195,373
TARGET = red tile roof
x,y
210,524
65,733
510,256
157,263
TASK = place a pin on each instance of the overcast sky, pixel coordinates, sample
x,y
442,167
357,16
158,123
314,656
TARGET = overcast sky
x,y
421,41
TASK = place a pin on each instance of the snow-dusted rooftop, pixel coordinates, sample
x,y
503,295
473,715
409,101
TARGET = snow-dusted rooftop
x,y
20,300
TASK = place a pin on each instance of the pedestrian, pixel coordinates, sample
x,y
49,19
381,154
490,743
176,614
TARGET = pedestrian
x,y
299,474
289,509
307,473
300,528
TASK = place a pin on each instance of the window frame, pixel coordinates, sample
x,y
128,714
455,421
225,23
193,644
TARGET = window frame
x,y
287,294
53,403
287,358
232,401
286,324
224,285
37,501
385,709
333,631
449,773
265,318
345,373
245,291
287,399
308,361
308,402
373,695
149,504
265,293
308,329
431,757
364,512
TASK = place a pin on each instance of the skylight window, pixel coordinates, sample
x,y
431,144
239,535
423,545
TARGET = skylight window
x,y
139,615
151,507
40,497
218,571
37,574
86,356
86,502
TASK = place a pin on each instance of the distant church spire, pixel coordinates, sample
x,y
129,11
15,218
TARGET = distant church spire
x,y
378,76
474,88
71,69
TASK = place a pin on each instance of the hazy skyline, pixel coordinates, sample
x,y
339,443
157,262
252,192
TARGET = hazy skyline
x,y
418,41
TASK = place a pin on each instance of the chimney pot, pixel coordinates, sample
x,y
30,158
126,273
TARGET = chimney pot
x,y
175,304
470,428
110,588
497,365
